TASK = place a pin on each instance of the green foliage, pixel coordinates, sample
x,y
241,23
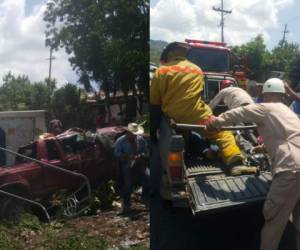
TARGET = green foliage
x,y
261,61
18,93
7,242
29,221
65,105
78,241
284,57
14,92
256,55
156,48
29,233
294,73
39,96
107,39
104,196
11,234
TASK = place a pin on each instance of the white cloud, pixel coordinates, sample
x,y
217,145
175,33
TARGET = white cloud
x,y
22,44
176,20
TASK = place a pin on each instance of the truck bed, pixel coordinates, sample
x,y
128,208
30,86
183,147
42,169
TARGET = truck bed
x,y
209,189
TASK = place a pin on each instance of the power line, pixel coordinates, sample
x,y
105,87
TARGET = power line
x,y
223,13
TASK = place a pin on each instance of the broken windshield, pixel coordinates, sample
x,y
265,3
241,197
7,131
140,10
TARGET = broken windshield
x,y
210,60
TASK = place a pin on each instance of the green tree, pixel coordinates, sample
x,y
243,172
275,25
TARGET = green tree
x,y
284,56
65,105
256,55
39,96
107,40
18,93
294,73
15,92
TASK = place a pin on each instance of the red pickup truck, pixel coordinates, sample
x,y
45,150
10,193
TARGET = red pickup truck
x,y
37,182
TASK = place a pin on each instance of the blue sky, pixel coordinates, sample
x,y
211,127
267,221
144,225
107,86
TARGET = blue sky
x,y
249,18
30,5
291,17
22,40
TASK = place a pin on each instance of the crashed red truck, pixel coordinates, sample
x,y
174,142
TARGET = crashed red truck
x,y
68,162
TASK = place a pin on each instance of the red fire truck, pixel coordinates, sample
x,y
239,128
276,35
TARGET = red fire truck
x,y
218,63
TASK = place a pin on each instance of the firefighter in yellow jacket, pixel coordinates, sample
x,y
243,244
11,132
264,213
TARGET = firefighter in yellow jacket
x,y
175,92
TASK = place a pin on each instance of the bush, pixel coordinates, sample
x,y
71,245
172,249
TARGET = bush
x,y
78,242
104,196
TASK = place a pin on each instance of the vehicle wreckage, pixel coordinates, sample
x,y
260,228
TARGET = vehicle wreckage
x,y
69,164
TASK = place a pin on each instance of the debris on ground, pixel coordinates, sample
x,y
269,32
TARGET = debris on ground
x,y
104,230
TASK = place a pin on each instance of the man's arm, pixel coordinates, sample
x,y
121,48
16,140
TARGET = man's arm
x,y
216,100
250,113
290,92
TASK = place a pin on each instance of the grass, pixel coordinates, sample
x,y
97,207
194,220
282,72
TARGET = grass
x,y
29,233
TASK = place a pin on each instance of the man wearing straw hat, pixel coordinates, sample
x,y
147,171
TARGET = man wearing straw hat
x,y
130,149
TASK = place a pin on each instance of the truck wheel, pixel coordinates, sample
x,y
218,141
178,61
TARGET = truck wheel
x,y
11,209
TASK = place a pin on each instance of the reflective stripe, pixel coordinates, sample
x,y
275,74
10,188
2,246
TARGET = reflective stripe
x,y
181,69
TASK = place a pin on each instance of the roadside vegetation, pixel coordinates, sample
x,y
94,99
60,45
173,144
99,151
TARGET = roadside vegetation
x,y
258,59
30,233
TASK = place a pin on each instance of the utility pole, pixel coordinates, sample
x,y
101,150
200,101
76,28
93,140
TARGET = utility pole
x,y
284,33
223,13
50,64
50,69
49,84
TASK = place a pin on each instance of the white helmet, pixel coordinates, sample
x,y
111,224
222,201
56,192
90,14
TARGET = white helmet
x,y
273,85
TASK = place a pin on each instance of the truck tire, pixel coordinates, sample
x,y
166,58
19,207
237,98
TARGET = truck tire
x,y
12,209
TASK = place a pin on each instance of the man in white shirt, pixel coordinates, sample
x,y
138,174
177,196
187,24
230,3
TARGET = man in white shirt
x,y
232,97
280,129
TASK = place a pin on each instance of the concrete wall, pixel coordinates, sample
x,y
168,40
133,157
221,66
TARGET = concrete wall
x,y
20,127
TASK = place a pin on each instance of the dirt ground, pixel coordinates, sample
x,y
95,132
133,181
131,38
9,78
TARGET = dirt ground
x,y
121,230
104,230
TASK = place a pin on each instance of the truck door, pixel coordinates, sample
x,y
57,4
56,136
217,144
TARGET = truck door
x,y
56,179
29,170
86,151
82,153
90,167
